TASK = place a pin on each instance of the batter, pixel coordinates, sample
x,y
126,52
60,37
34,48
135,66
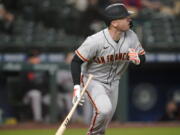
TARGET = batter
x,y
106,55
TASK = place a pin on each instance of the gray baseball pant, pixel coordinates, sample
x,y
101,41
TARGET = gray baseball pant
x,y
104,101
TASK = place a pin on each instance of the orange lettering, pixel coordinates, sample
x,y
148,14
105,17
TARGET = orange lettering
x,y
123,58
120,56
108,58
116,57
126,56
99,61
111,58
102,59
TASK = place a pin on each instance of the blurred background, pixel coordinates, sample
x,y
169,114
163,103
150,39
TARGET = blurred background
x,y
37,41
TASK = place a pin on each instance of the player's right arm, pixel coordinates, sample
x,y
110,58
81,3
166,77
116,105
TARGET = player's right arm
x,y
76,69
83,54
76,72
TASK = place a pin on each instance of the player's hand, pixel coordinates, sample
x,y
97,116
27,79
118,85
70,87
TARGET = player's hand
x,y
133,56
77,94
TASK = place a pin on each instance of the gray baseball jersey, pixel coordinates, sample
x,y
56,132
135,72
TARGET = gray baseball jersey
x,y
106,59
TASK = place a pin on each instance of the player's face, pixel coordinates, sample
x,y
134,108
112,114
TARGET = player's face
x,y
122,24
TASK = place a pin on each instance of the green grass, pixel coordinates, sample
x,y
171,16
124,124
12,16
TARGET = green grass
x,y
112,131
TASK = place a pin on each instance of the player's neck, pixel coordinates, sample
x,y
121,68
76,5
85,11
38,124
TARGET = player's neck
x,y
115,34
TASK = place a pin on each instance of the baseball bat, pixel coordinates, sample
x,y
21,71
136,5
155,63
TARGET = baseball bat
x,y
64,124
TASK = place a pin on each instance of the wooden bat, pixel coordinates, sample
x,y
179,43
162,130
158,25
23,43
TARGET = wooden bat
x,y
64,124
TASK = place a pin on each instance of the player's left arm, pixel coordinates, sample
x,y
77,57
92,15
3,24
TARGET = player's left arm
x,y
141,54
142,59
136,52
135,57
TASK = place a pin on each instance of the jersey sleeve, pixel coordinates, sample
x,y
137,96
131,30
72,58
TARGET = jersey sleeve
x,y
137,45
87,50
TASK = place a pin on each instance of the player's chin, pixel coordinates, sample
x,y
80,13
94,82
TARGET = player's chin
x,y
127,28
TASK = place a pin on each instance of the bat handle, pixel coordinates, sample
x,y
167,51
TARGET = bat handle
x,y
63,126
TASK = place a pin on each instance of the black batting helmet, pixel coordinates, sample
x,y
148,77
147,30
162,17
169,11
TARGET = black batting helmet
x,y
116,11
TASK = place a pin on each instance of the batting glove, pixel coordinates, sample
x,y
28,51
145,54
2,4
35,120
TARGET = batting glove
x,y
133,56
77,94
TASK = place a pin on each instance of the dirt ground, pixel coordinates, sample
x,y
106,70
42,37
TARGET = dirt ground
x,y
33,125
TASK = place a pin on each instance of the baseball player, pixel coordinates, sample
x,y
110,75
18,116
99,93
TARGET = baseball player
x,y
106,55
